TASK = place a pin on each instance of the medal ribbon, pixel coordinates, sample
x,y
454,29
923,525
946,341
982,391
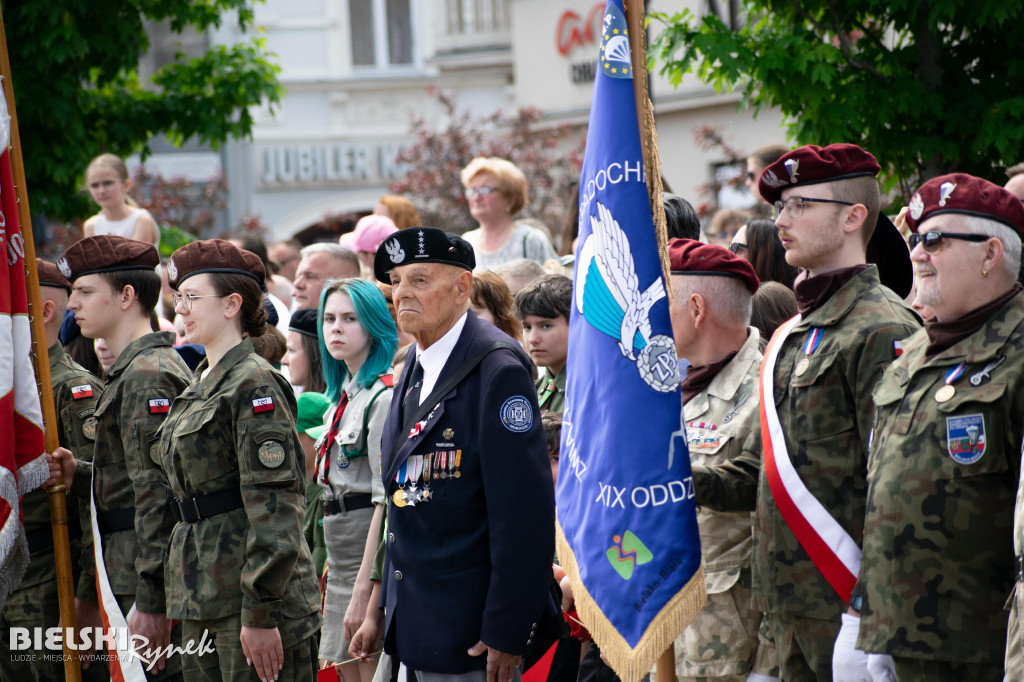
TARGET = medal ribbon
x,y
403,474
954,373
813,340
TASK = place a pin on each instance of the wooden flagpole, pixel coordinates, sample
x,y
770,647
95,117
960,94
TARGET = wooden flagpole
x,y
665,668
58,503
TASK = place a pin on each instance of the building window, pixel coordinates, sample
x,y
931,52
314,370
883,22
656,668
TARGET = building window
x,y
382,34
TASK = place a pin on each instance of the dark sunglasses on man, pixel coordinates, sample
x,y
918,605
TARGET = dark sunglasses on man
x,y
932,241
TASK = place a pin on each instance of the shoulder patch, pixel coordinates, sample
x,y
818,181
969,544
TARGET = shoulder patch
x,y
516,414
271,454
263,405
83,391
89,428
159,406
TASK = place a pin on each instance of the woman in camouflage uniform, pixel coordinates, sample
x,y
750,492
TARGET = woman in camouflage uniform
x,y
238,573
357,340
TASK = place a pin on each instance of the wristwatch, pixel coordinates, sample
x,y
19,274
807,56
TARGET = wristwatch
x,y
857,603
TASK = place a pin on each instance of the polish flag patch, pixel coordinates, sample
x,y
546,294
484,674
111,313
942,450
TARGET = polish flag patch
x,y
263,404
897,348
83,391
159,406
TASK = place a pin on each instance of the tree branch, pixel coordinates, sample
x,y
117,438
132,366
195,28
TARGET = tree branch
x,y
844,40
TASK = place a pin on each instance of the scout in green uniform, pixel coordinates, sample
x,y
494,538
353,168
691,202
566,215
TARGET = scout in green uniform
x,y
711,324
825,369
34,604
944,455
238,570
115,289
543,307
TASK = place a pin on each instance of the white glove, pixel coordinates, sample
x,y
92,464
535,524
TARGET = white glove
x,y
849,664
758,677
882,668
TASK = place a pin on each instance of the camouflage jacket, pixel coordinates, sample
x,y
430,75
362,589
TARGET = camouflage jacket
x,y
551,391
75,394
235,428
825,413
143,381
938,555
718,421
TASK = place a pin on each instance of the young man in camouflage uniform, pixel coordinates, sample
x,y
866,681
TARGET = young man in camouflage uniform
x,y
825,367
945,459
115,290
34,604
711,323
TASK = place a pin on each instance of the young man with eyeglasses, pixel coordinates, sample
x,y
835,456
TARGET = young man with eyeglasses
x,y
944,462
115,289
815,386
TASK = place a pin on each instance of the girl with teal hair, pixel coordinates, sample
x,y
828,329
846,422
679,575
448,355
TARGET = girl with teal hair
x,y
357,340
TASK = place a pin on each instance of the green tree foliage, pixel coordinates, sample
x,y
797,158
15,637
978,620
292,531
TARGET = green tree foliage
x,y
74,67
929,86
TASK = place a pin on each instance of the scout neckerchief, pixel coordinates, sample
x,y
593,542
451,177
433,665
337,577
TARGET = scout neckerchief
x,y
331,435
834,553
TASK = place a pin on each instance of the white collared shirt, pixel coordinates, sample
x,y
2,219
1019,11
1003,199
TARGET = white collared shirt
x,y
432,359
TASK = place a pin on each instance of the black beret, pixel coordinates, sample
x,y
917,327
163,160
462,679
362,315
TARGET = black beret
x,y
213,255
422,245
106,253
304,322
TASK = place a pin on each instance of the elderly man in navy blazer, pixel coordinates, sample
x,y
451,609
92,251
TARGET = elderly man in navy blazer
x,y
471,508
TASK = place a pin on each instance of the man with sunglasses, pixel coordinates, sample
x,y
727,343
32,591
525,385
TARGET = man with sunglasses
x,y
815,389
944,457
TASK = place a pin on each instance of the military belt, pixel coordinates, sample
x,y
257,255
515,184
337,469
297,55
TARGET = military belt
x,y
195,509
342,505
39,539
114,520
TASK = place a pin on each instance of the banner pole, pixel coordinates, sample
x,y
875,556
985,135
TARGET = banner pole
x,y
58,501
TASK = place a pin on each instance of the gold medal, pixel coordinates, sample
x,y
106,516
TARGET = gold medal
x,y
801,367
944,393
399,497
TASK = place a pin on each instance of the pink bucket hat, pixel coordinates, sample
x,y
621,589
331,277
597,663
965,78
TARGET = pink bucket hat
x,y
369,233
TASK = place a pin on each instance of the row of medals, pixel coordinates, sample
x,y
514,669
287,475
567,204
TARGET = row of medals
x,y
436,465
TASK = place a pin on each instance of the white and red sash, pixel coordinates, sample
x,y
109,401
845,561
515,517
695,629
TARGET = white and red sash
x,y
830,547
124,667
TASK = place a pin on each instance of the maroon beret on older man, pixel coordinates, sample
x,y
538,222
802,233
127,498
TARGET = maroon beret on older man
x,y
811,164
106,253
50,275
213,256
691,257
966,195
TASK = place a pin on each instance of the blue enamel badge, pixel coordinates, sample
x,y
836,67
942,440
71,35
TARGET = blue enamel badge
x,y
965,438
516,414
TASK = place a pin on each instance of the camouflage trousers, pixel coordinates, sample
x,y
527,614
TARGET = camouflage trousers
x,y
919,670
227,662
728,639
31,607
804,646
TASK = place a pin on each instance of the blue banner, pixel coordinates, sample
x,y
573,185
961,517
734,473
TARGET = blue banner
x,y
626,515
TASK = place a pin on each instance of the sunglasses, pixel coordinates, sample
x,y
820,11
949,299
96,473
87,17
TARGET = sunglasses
x,y
933,240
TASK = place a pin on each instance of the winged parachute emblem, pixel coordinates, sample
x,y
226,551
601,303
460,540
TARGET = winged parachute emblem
x,y
608,296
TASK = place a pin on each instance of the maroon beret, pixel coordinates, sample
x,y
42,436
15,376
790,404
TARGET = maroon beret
x,y
967,195
49,275
106,253
812,164
213,255
691,257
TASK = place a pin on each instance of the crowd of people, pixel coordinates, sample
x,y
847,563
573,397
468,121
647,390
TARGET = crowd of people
x,y
340,458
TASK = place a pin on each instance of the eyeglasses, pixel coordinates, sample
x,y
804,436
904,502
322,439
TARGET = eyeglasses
x,y
736,247
933,240
483,191
186,300
795,205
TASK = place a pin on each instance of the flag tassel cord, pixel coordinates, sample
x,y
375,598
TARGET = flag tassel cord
x,y
58,502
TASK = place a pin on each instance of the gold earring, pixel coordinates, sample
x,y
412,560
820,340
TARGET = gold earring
x,y
984,272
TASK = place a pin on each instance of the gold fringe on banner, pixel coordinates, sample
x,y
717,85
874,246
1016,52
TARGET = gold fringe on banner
x,y
632,663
